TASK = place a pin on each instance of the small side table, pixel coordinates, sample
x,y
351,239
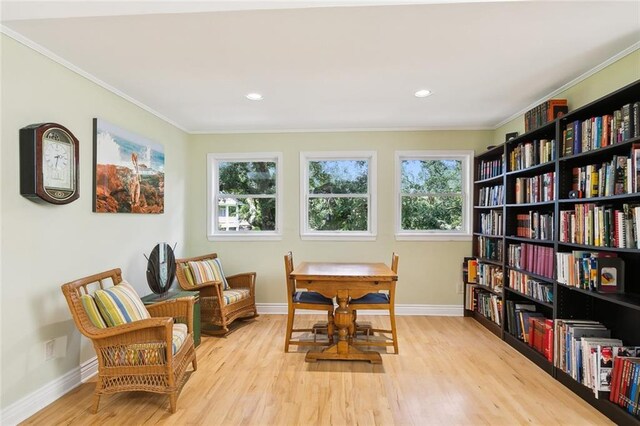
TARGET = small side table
x,y
150,299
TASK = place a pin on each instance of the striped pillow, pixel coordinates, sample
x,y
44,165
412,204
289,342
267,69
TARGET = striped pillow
x,y
208,270
91,309
120,304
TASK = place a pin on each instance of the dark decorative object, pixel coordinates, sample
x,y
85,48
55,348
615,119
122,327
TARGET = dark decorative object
x,y
510,136
161,268
610,275
575,194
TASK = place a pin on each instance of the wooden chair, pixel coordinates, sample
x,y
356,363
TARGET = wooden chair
x,y
136,356
304,300
381,301
220,307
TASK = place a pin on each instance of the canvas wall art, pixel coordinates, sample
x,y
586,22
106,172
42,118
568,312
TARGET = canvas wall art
x,y
128,171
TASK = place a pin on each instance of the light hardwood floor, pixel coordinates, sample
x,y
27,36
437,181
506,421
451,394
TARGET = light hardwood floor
x,y
449,371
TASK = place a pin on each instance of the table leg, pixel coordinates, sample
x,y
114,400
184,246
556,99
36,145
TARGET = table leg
x,y
342,349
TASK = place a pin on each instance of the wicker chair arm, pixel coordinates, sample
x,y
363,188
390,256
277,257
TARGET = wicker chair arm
x,y
175,308
246,280
132,327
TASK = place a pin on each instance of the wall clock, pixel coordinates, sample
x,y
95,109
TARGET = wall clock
x,y
48,163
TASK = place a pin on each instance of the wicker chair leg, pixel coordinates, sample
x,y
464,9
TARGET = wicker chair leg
x,y
173,401
96,403
194,363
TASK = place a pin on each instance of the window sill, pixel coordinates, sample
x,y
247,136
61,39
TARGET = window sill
x,y
433,237
338,237
245,237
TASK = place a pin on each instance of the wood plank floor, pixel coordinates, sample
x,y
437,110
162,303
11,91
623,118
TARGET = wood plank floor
x,y
449,371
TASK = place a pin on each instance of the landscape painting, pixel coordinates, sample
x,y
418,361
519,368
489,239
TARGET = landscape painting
x,y
128,171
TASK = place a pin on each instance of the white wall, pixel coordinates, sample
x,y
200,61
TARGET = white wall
x,y
429,271
44,246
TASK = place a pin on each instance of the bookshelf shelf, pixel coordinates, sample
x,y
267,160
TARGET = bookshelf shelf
x,y
592,125
599,248
529,240
526,296
610,198
532,275
538,168
489,289
526,350
494,180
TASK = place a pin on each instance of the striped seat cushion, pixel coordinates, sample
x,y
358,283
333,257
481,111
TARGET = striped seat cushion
x,y
90,307
120,304
180,333
207,270
235,295
371,299
311,297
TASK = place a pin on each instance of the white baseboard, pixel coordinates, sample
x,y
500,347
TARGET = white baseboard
x,y
424,310
88,369
36,401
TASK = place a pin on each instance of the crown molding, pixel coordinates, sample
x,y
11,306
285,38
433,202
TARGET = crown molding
x,y
629,50
71,67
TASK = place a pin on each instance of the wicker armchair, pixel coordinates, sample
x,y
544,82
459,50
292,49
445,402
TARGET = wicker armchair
x,y
136,356
217,312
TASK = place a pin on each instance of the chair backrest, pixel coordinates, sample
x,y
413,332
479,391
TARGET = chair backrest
x,y
74,290
394,262
181,264
291,284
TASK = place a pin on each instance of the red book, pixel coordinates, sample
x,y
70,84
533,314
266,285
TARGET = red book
x,y
548,339
626,378
615,379
532,324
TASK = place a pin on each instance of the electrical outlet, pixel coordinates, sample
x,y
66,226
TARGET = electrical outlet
x,y
49,349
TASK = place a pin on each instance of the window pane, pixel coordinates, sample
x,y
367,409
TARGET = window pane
x,y
338,177
248,214
247,177
338,214
442,213
431,176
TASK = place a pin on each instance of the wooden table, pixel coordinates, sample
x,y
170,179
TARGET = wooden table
x,y
344,281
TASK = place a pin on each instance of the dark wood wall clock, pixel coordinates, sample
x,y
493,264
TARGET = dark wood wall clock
x,y
49,163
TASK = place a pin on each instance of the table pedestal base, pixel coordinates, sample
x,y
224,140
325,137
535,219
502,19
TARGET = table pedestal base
x,y
352,354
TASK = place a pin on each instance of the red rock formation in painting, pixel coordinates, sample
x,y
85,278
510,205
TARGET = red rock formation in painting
x,y
113,185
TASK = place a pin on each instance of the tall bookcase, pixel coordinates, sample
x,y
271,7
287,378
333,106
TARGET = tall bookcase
x,y
517,237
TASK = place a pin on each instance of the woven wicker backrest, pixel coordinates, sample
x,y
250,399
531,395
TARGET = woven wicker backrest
x,y
75,289
182,263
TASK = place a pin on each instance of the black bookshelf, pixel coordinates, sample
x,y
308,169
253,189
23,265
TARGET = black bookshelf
x,y
619,312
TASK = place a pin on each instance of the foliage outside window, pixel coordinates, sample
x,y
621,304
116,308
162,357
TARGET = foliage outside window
x,y
433,195
244,198
338,195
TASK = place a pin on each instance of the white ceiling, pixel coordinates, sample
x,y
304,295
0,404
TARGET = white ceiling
x,y
330,68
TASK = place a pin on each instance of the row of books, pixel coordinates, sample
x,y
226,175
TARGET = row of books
x,y
488,304
535,224
530,326
611,178
625,379
586,351
532,258
470,300
490,276
535,189
601,225
490,248
598,132
490,168
590,270
536,289
529,154
491,223
544,113
491,196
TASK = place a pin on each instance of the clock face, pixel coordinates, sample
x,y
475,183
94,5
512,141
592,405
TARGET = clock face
x,y
57,163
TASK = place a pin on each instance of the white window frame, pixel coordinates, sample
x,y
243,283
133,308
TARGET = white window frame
x,y
465,234
213,161
372,219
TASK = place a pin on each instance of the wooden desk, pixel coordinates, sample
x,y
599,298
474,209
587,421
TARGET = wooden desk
x,y
343,281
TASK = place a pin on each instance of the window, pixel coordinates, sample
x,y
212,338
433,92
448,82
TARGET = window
x,y
244,196
433,195
338,195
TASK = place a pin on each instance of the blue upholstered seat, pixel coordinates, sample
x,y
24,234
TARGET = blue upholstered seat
x,y
371,298
311,297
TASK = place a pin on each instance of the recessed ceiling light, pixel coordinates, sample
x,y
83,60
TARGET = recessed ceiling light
x,y
254,96
422,93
